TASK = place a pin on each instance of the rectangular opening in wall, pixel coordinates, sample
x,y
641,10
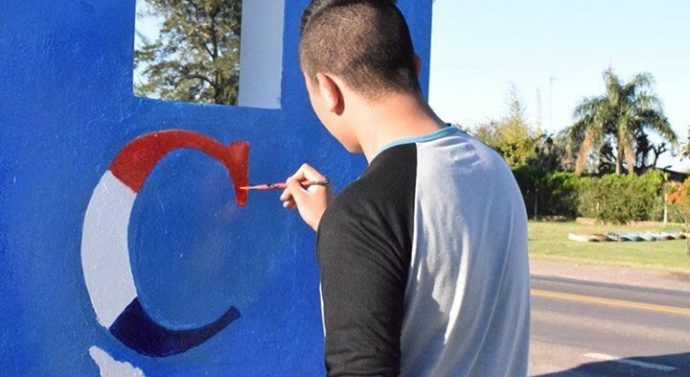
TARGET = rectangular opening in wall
x,y
188,50
209,51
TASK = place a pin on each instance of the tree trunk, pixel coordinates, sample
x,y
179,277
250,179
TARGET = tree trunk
x,y
619,158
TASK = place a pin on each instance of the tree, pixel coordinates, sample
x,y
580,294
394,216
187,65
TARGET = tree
x,y
550,154
618,118
512,136
685,152
678,198
647,153
196,55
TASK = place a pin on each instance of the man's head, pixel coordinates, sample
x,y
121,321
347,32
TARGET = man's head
x,y
365,42
357,46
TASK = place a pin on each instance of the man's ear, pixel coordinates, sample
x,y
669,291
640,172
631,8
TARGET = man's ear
x,y
331,93
417,64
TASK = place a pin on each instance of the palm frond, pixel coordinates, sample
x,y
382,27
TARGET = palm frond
x,y
618,118
646,100
589,106
613,88
640,81
656,121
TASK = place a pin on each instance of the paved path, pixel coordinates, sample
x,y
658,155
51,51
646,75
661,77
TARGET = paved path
x,y
596,329
611,274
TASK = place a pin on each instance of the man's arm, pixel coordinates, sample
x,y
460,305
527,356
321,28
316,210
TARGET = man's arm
x,y
363,276
363,285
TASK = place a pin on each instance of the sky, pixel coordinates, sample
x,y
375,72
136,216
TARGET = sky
x,y
559,49
553,49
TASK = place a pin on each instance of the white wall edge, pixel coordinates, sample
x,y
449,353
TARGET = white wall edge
x,y
261,53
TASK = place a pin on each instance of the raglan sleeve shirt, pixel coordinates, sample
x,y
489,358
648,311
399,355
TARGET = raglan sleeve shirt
x,y
363,252
424,267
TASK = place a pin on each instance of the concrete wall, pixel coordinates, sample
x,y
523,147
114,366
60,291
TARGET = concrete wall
x,y
116,260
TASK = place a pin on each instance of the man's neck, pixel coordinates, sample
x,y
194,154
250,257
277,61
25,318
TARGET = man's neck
x,y
397,117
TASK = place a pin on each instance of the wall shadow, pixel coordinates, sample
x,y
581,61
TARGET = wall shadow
x,y
671,365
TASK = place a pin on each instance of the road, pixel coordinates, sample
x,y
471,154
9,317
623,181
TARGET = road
x,y
587,329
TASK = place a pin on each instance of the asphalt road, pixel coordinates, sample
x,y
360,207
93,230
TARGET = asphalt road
x,y
586,329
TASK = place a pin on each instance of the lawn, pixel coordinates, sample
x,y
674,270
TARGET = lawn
x,y
550,240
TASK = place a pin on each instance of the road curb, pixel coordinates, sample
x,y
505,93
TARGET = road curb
x,y
600,273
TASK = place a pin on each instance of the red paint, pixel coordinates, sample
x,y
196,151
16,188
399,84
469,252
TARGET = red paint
x,y
238,167
138,158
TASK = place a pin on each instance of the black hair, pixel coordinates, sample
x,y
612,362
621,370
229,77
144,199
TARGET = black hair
x,y
365,42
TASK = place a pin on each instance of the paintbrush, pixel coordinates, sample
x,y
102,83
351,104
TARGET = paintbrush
x,y
283,185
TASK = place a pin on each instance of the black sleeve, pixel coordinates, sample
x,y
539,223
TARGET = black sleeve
x,y
362,291
363,250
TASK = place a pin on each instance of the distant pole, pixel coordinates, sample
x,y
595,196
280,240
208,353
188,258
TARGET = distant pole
x,y
540,115
536,202
551,103
665,209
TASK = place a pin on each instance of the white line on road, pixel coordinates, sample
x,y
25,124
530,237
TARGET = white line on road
x,y
642,364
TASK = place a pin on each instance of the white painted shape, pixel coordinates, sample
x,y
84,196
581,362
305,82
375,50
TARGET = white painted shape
x,y
641,364
104,249
323,317
261,53
110,367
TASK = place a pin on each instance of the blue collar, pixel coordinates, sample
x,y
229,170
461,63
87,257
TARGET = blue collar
x,y
446,131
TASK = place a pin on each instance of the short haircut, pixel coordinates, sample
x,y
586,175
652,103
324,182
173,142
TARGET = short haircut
x,y
367,43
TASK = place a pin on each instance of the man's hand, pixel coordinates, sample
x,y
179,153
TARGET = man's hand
x,y
312,201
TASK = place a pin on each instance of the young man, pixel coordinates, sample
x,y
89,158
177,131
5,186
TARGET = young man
x,y
423,259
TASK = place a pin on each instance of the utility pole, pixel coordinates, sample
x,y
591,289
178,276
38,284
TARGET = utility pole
x,y
539,111
551,80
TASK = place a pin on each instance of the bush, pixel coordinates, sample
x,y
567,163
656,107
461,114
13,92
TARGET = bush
x,y
528,178
611,198
553,194
619,199
559,194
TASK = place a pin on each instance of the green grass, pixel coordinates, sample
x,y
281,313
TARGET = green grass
x,y
550,240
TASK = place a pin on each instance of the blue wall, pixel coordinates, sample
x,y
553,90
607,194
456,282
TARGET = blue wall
x,y
66,110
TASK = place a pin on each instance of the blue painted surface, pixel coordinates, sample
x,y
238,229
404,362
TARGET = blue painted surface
x,y
66,110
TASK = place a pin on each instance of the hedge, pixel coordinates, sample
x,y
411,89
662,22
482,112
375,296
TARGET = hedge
x,y
610,198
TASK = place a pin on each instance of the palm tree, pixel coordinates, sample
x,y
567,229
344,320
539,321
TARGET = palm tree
x,y
685,152
616,117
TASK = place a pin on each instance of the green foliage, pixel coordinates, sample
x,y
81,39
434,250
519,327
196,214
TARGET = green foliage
x,y
529,180
196,56
611,128
676,213
610,199
512,140
551,154
678,196
560,196
618,120
548,194
619,199
511,137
